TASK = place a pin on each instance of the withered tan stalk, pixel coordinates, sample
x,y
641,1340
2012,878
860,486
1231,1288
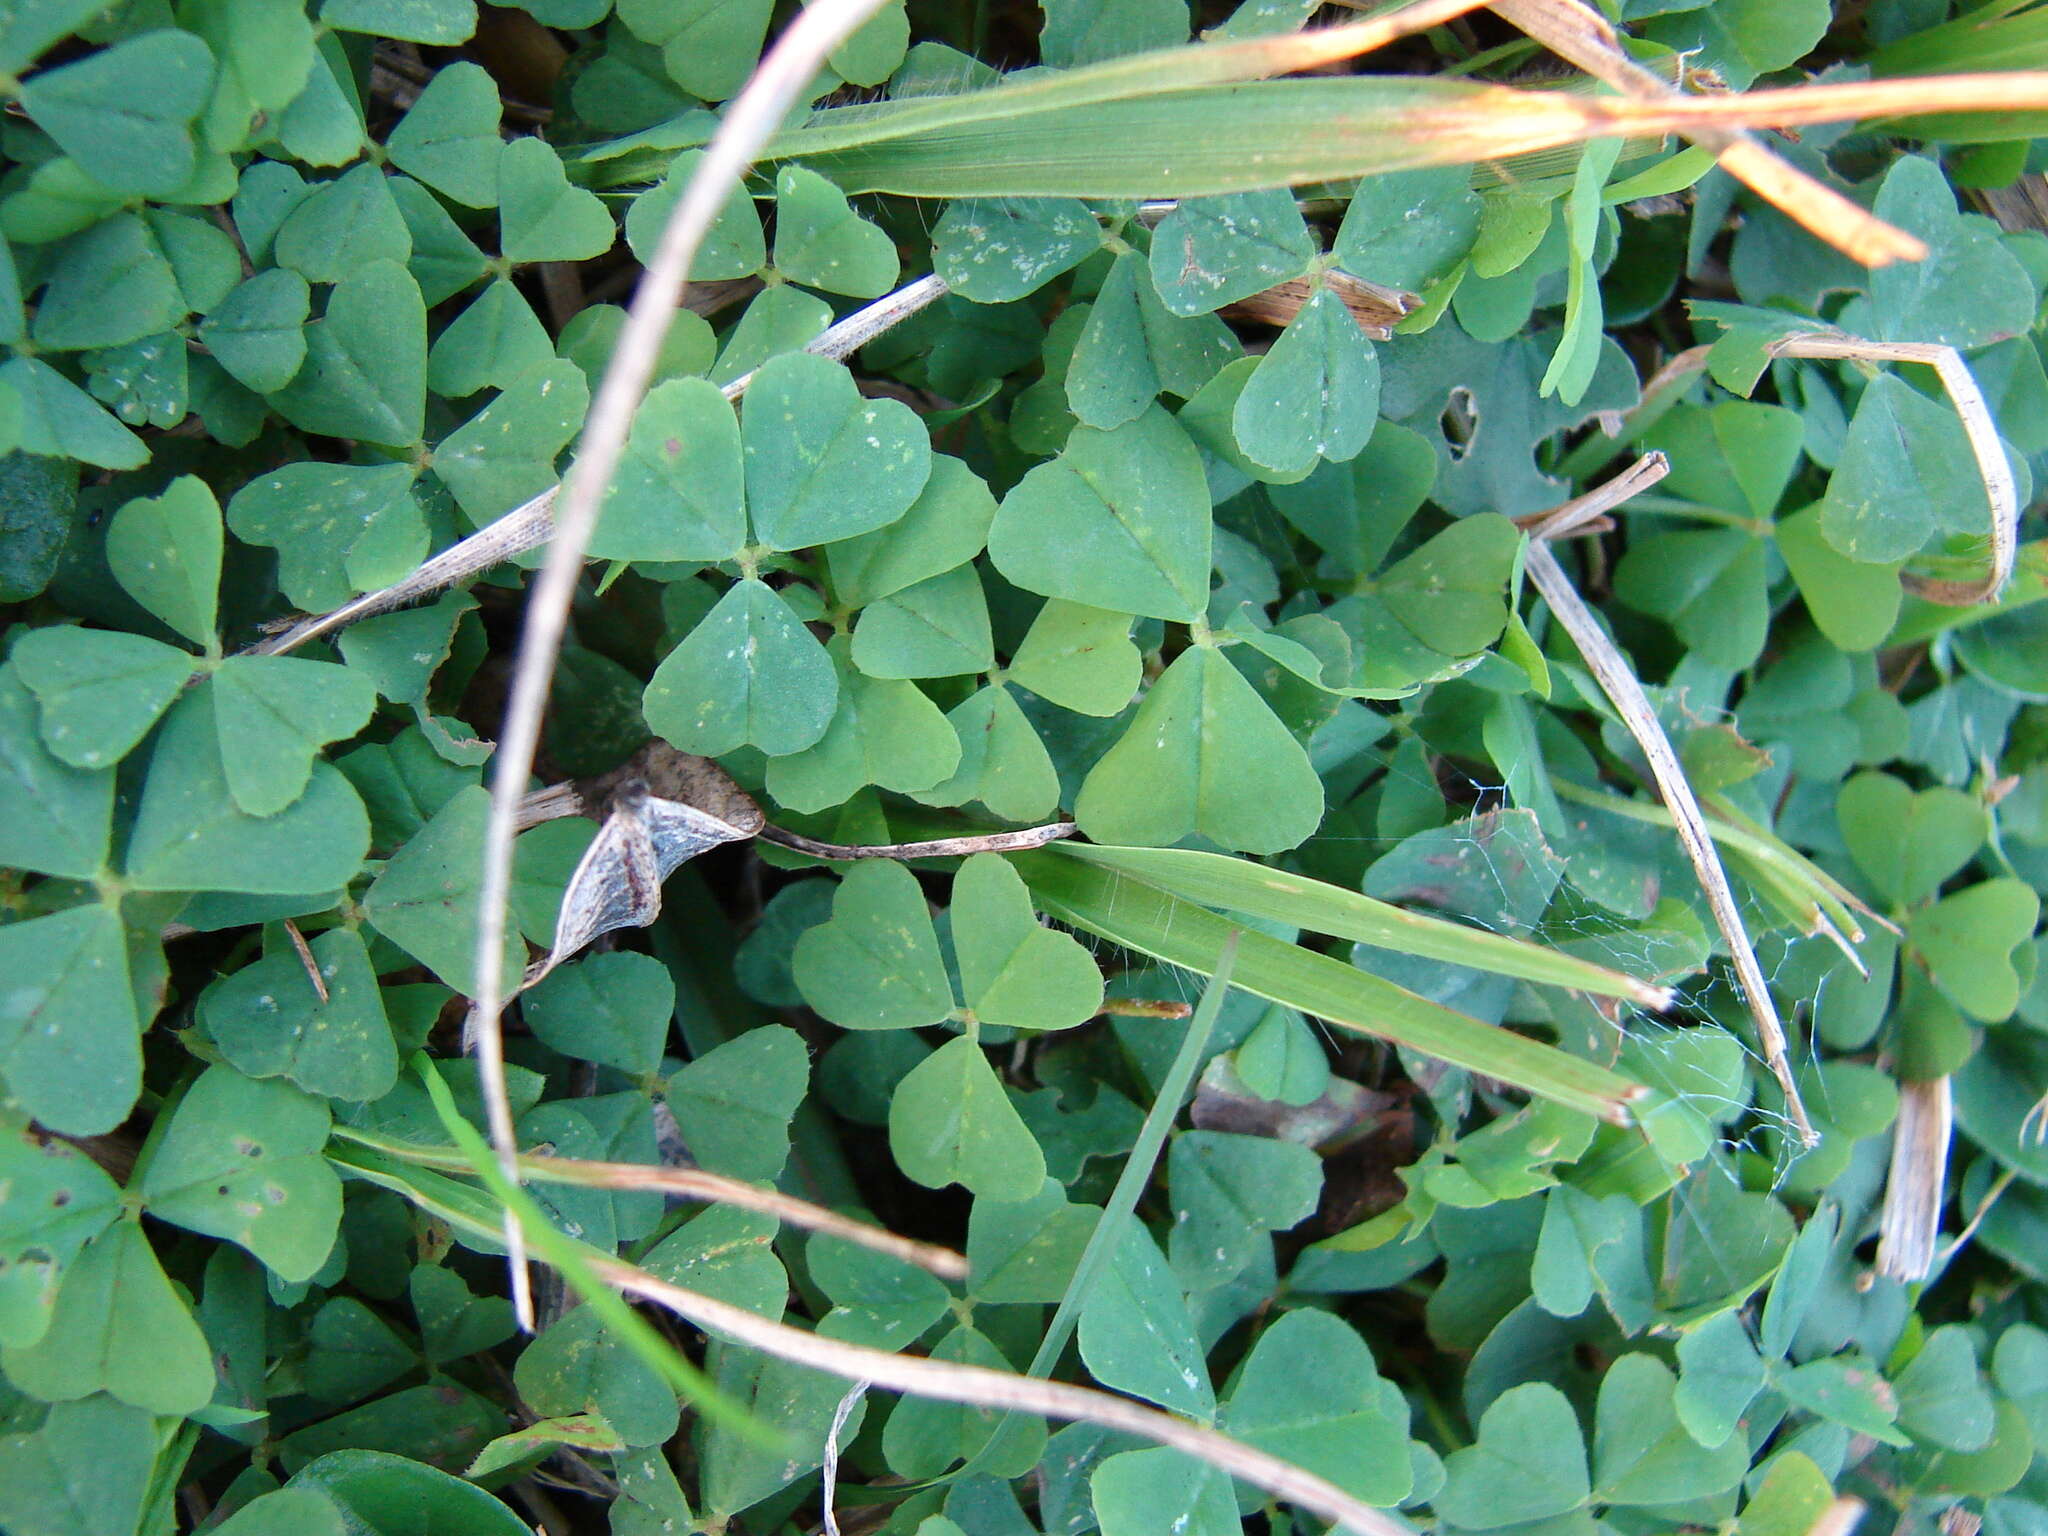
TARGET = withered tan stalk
x,y
697,1184
532,523
754,115
1618,681
1915,1187
932,848
1580,35
1978,428
980,1387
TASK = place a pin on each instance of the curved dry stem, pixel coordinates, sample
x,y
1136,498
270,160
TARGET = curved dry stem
x,y
979,1387
1611,670
1570,517
749,122
1980,430
683,1183
1804,106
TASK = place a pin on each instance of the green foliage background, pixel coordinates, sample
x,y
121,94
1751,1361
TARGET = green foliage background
x,y
293,299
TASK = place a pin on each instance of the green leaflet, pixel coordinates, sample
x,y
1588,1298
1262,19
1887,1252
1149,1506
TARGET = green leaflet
x,y
821,242
1211,251
678,494
166,551
343,225
737,1101
118,1328
999,249
1528,1463
86,1469
124,113
1012,971
883,731
68,1024
366,361
191,834
748,673
1133,347
425,899
270,1022
936,628
257,333
1118,521
504,456
950,1122
62,1201
72,807
540,216
1314,395
490,344
822,463
876,965
448,137
241,1160
1203,755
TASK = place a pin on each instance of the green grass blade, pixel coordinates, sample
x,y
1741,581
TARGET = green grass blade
x,y
1130,1183
1282,132
1157,923
1238,885
1163,71
1792,871
573,1260
1143,1159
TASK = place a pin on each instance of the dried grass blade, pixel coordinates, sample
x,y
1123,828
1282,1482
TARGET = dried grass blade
x,y
1148,143
698,1184
684,1183
532,523
1160,72
1623,690
592,1272
1580,35
752,118
1916,1185
577,1262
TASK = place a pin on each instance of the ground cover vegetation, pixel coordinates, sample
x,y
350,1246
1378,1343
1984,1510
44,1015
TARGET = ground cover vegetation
x,y
1267,803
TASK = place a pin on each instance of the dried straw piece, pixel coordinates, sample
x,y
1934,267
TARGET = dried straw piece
x,y
932,848
2023,205
1376,307
1914,1189
532,523
697,1184
305,954
1580,35
1625,692
980,1387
